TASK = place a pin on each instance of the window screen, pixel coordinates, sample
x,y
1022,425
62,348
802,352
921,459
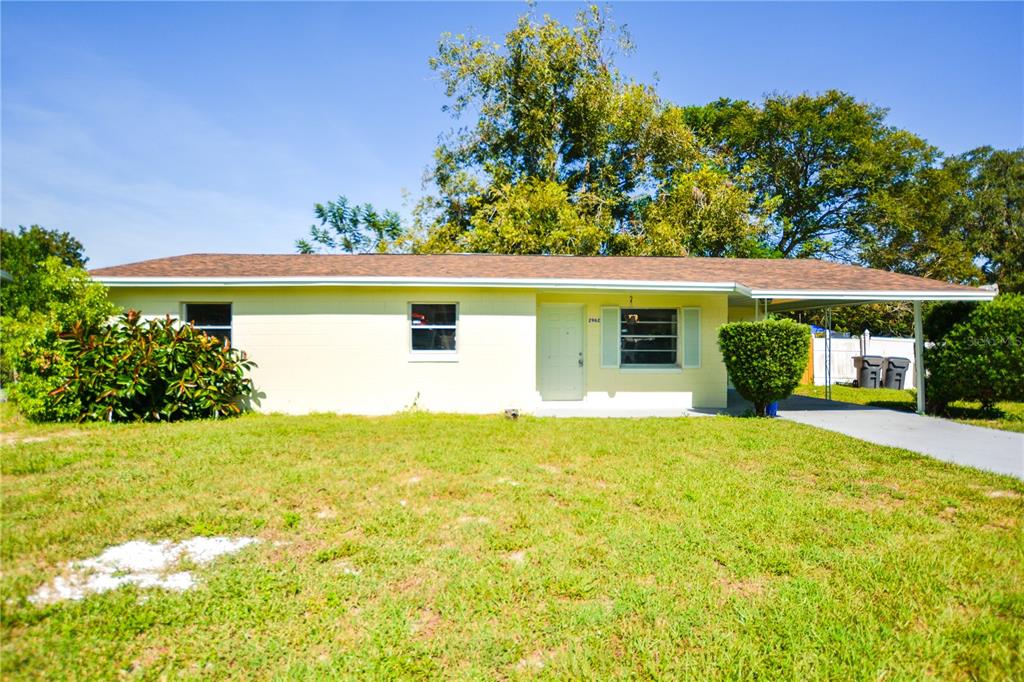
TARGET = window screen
x,y
212,318
433,326
649,336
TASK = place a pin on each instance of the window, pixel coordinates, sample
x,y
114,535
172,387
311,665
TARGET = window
x,y
648,336
212,318
658,338
433,327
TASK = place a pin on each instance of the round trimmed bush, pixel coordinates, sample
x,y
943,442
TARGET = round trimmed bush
x,y
981,358
765,359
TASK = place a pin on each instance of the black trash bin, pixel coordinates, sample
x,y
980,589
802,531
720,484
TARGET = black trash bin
x,y
869,370
896,372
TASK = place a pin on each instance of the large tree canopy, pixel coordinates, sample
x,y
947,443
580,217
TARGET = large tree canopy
x,y
996,214
812,163
555,151
961,221
561,144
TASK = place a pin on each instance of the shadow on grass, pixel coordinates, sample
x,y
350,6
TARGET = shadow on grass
x,y
897,405
955,411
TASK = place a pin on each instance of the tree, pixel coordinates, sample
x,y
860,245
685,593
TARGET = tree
x,y
812,163
558,130
351,229
996,214
21,254
922,226
71,297
534,216
962,221
699,214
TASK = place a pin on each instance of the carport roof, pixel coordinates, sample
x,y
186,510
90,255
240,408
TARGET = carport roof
x,y
778,279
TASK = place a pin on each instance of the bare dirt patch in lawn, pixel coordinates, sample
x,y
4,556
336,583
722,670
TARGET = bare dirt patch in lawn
x,y
741,587
18,439
869,503
1007,523
533,662
466,520
1002,493
425,623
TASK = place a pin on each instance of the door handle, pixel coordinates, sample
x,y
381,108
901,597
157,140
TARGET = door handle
x,y
581,358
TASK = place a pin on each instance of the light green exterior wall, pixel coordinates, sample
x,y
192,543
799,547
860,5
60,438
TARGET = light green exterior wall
x,y
347,349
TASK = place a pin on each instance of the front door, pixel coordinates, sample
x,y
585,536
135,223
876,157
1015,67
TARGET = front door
x,y
560,369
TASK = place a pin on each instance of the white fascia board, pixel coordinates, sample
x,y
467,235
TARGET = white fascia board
x,y
853,295
551,285
461,282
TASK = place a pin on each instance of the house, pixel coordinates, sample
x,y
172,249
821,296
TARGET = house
x,y
376,334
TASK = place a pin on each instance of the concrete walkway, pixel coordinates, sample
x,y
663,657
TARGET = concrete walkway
x,y
989,449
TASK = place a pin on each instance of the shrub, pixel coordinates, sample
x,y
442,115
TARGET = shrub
x,y
765,359
133,369
981,358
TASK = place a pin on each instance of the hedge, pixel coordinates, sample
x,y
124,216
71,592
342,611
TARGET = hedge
x,y
980,359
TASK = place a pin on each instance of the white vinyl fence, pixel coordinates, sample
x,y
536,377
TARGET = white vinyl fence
x,y
844,350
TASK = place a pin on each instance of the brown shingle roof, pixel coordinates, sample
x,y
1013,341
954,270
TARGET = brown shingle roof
x,y
758,274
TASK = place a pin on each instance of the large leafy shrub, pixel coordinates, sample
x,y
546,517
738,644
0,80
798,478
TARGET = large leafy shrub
x,y
132,369
981,358
765,359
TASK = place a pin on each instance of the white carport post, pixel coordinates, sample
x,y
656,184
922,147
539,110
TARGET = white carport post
x,y
919,356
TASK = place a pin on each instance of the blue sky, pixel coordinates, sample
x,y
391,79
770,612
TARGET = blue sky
x,y
154,129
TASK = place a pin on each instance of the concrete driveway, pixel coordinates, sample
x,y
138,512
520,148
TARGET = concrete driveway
x,y
1001,452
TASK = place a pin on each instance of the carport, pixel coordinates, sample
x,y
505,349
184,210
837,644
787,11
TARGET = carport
x,y
897,288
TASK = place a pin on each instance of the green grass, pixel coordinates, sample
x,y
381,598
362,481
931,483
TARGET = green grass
x,y
1009,416
705,548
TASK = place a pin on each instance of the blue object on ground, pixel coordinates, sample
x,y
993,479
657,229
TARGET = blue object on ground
x,y
773,409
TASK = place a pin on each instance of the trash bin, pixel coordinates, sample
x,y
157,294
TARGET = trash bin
x,y
896,372
869,370
772,410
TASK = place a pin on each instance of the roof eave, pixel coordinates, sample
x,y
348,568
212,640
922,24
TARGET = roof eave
x,y
780,295
460,282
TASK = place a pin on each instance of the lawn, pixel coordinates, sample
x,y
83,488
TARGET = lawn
x,y
1009,415
426,546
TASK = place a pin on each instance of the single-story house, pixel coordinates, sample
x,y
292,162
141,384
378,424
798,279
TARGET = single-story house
x,y
376,334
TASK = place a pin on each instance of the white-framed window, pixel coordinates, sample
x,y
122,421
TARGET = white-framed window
x,y
433,328
655,338
648,337
212,318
